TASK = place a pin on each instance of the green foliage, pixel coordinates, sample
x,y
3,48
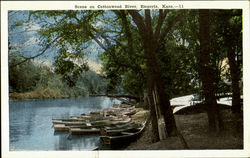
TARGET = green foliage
x,y
72,28
176,64
22,78
70,66
227,27
30,80
123,59
112,70
226,31
92,82
133,83
123,67
223,23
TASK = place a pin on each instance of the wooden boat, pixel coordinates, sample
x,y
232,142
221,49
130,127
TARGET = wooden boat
x,y
130,111
60,127
68,122
118,131
94,117
112,122
80,131
76,118
66,127
85,126
126,136
115,120
96,112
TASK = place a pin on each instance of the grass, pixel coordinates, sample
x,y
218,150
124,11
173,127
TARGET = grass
x,y
39,93
194,128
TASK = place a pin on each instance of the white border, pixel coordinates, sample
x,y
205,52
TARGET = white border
x,y
70,5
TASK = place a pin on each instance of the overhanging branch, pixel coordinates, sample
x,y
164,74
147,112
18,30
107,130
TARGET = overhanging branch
x,y
162,16
138,19
39,54
168,28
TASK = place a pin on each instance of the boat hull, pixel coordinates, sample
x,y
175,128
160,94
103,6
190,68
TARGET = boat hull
x,y
83,131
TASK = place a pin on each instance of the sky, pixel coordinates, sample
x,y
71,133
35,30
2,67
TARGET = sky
x,y
24,39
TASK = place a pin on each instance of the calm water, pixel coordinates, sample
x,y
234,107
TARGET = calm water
x,y
31,127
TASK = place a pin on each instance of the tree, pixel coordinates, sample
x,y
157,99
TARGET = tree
x,y
207,77
24,77
69,67
67,25
151,39
219,26
124,63
231,32
92,82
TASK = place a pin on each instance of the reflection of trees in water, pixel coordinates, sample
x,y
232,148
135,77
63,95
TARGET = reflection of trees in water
x,y
62,143
76,142
21,121
14,134
86,142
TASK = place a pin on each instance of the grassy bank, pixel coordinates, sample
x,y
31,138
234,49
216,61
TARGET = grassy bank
x,y
39,93
194,129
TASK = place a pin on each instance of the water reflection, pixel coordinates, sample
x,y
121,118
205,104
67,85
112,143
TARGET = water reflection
x,y
31,127
76,142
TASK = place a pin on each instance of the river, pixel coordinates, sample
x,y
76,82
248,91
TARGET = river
x,y
31,127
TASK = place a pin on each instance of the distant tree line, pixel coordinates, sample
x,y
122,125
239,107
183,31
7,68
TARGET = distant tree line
x,y
30,76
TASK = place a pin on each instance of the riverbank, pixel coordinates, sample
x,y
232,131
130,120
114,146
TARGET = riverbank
x,y
194,128
48,93
39,93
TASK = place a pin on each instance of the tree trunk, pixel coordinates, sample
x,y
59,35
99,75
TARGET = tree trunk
x,y
150,40
236,107
156,84
207,73
154,122
160,116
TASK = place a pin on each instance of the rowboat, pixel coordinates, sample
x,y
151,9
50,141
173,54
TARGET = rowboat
x,y
113,121
66,127
80,131
117,137
117,129
76,118
68,122
60,127
77,126
117,132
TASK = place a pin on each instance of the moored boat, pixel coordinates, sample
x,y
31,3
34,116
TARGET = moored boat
x,y
116,137
60,127
80,131
114,122
68,122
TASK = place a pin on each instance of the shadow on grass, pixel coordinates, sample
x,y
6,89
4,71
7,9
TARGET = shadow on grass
x,y
198,108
